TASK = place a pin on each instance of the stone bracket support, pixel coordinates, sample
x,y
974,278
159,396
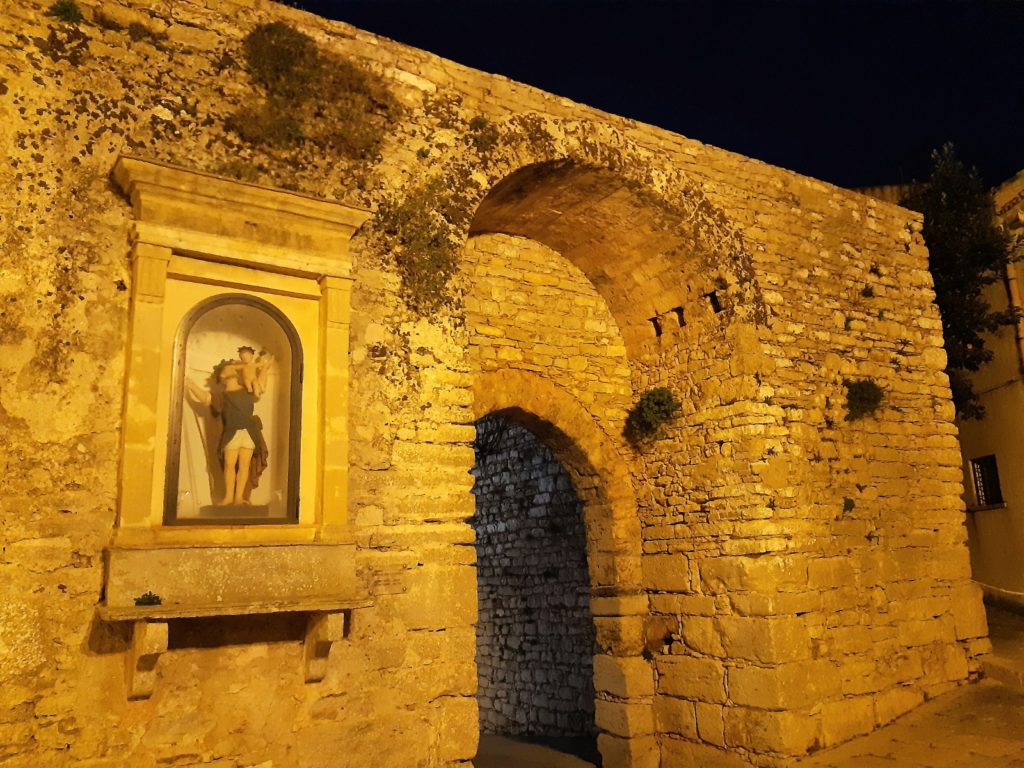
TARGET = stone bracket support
x,y
148,642
325,626
322,631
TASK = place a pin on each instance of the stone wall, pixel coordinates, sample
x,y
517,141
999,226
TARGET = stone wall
x,y
740,602
535,633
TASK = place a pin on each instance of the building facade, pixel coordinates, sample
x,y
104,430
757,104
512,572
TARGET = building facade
x,y
993,460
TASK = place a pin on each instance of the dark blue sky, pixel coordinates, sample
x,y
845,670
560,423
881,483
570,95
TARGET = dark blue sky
x,y
856,93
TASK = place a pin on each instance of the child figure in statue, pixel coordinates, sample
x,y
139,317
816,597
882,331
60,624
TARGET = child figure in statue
x,y
242,449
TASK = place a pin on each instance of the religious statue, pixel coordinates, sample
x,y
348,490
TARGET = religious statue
x,y
235,388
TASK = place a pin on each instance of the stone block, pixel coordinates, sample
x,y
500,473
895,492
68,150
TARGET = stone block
x,y
675,716
775,603
237,575
623,676
624,718
666,573
439,597
846,718
702,635
786,686
711,723
692,678
896,702
620,635
969,616
790,733
637,752
686,605
677,752
766,640
459,728
766,573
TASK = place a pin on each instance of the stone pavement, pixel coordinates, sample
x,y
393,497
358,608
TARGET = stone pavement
x,y
499,752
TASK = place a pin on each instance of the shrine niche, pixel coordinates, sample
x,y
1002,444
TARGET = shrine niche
x,y
235,448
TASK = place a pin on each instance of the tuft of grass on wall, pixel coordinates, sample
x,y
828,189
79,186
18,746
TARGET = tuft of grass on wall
x,y
656,407
483,135
66,11
863,398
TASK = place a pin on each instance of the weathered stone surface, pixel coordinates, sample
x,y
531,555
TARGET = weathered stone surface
x,y
789,559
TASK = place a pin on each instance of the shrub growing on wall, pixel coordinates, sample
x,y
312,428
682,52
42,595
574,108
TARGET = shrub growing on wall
x,y
655,407
863,398
311,95
66,10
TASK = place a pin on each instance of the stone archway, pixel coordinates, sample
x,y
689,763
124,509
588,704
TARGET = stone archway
x,y
623,679
592,273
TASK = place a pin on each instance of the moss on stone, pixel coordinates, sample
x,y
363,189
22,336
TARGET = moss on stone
x,y
421,235
483,134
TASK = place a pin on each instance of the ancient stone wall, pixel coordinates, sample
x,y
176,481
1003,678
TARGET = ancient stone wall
x,y
768,577
535,633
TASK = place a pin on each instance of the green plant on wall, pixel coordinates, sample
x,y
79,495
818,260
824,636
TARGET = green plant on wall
x,y
67,11
656,407
421,235
863,398
311,95
483,135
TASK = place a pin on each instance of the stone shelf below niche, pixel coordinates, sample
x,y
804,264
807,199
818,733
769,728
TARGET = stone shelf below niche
x,y
317,579
167,612
327,622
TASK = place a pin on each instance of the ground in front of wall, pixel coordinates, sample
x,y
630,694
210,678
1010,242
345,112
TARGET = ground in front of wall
x,y
500,752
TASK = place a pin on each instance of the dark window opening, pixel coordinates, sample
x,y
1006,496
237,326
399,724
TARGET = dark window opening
x,y
716,305
680,317
987,491
656,322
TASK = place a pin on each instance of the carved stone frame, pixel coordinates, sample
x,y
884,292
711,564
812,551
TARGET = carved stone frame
x,y
203,235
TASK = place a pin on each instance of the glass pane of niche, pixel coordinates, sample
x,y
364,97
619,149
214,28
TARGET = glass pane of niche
x,y
233,448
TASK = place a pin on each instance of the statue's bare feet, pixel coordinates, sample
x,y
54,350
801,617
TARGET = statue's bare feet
x,y
243,502
225,502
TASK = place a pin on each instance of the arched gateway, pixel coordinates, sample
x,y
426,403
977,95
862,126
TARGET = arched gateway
x,y
582,289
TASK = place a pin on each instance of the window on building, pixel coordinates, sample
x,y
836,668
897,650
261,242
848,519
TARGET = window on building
x,y
986,481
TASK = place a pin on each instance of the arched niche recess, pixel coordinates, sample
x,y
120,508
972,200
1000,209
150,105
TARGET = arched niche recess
x,y
247,408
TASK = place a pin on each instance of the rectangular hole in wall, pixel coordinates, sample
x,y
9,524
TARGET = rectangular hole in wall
x,y
656,322
716,305
680,317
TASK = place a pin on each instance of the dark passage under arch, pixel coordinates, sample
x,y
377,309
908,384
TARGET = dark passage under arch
x,y
535,636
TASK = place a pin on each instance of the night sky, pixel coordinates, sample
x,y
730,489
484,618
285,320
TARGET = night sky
x,y
856,93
